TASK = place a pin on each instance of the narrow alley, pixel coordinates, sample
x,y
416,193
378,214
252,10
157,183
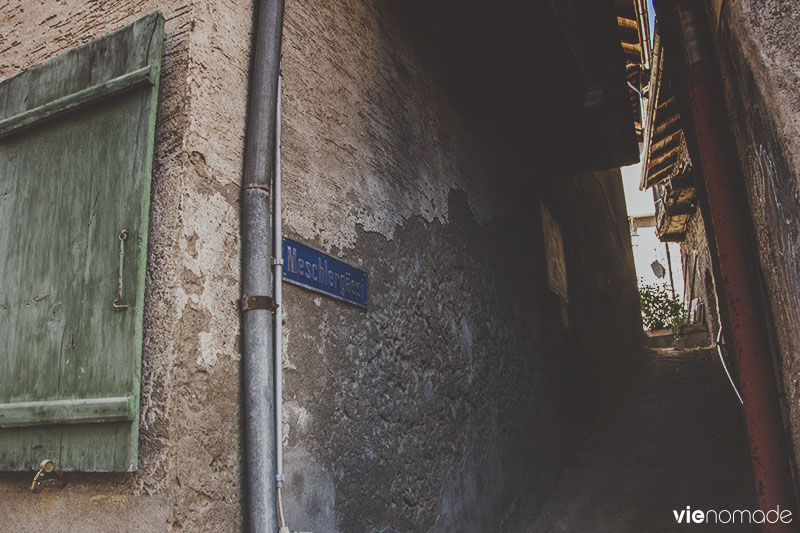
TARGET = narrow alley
x,y
674,438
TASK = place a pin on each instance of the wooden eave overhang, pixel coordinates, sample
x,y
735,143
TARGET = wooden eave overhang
x,y
634,32
665,160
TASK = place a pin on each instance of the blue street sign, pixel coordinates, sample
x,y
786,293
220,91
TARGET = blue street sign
x,y
322,273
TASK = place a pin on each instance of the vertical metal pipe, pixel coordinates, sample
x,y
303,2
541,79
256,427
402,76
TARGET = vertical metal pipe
x,y
258,376
278,280
277,224
746,330
257,320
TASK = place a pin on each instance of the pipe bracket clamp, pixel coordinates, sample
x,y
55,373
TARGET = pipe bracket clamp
x,y
259,303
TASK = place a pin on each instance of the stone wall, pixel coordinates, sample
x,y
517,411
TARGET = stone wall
x,y
456,399
699,273
760,61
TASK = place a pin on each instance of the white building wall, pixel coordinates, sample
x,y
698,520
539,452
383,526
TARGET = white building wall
x,y
646,246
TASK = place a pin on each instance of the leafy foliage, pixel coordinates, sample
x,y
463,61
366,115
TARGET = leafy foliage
x,y
659,308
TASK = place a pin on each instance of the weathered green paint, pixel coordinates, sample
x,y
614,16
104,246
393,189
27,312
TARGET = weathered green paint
x,y
75,168
72,102
74,411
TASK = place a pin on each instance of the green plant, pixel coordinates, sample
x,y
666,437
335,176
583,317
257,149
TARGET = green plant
x,y
660,309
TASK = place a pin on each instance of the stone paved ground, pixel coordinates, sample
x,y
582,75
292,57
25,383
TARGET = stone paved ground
x,y
674,438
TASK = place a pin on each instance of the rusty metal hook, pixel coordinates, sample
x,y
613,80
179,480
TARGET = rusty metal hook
x,y
117,302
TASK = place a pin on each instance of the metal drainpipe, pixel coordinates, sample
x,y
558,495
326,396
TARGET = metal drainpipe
x,y
278,283
746,331
257,303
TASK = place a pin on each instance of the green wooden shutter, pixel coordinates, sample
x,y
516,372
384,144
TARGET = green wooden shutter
x,y
76,150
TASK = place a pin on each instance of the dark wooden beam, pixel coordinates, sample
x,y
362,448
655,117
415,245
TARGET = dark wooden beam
x,y
668,103
632,48
670,154
666,143
667,127
656,177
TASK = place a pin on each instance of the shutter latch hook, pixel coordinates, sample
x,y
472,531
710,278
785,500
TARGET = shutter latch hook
x,y
117,302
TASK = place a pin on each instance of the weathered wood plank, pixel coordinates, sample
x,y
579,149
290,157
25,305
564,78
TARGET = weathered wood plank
x,y
75,101
75,411
627,23
657,160
94,63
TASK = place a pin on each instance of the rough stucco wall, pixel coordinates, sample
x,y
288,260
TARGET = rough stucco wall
x,y
347,69
426,412
760,61
189,459
455,399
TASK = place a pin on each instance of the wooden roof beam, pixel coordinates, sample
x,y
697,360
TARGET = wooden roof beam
x,y
666,143
667,103
656,177
627,23
671,154
667,127
632,48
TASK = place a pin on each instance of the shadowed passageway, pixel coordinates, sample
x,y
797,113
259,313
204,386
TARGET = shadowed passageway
x,y
674,438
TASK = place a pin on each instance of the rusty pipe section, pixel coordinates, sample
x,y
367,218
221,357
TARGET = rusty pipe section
x,y
712,145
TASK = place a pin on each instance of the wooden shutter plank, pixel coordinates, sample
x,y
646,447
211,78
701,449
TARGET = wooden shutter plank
x,y
97,448
17,445
71,411
74,172
74,101
94,63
